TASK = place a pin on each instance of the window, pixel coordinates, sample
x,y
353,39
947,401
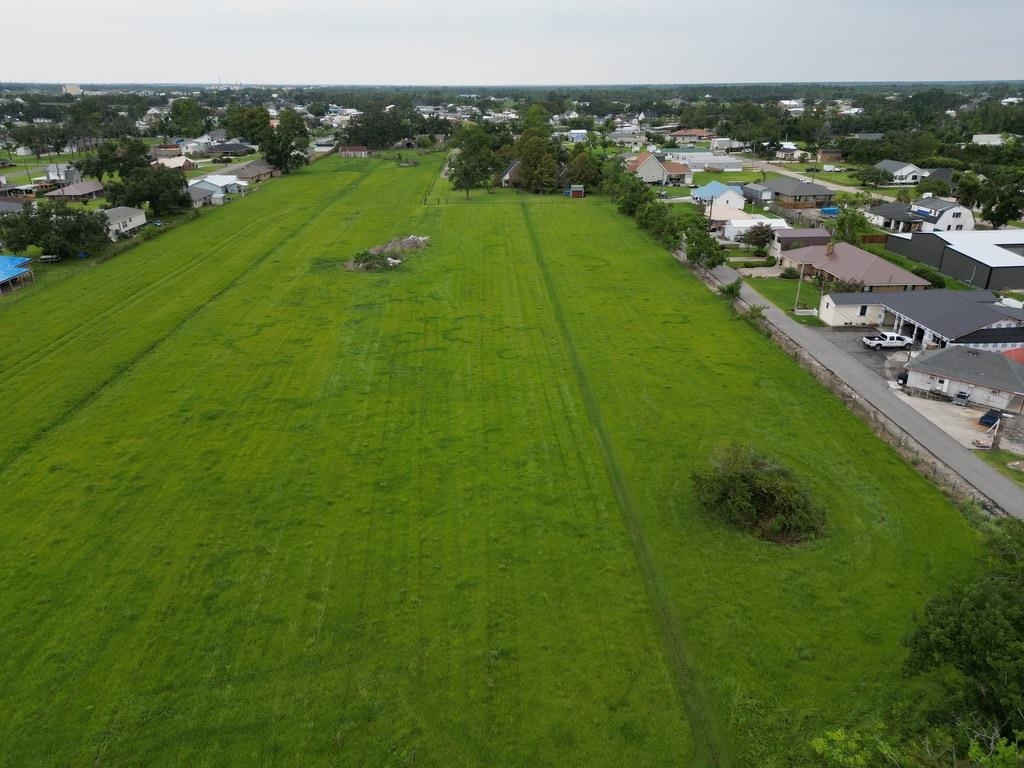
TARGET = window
x,y
863,310
959,226
956,215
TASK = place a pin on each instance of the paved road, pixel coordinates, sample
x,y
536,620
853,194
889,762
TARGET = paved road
x,y
870,387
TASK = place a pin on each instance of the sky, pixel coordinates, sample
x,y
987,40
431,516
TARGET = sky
x,y
525,42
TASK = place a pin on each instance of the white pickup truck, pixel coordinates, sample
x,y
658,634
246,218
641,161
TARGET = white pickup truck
x,y
888,340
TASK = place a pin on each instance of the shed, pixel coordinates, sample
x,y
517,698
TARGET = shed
x,y
14,273
576,190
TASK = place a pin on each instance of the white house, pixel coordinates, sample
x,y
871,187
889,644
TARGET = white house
x,y
902,173
224,184
988,139
577,135
859,308
734,228
989,380
124,221
940,214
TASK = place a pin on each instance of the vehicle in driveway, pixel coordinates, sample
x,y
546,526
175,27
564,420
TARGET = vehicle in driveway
x,y
887,341
991,417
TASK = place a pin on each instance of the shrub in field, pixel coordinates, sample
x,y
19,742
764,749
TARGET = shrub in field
x,y
790,273
753,492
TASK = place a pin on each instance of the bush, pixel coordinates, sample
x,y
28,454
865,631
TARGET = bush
x,y
771,261
936,279
751,491
790,273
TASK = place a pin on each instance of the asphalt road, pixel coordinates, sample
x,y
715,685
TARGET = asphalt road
x,y
819,178
1002,491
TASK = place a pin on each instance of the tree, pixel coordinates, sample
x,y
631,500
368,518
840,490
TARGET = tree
x,y
977,628
475,162
56,228
758,236
187,117
933,185
851,225
249,123
969,188
1002,200
163,189
872,177
538,162
583,168
753,492
285,147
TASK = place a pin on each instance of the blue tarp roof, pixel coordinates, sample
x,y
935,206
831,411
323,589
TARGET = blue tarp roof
x,y
11,267
713,189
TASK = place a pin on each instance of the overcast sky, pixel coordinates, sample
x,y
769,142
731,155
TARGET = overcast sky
x,y
482,42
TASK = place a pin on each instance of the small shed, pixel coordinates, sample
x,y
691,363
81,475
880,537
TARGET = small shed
x,y
576,190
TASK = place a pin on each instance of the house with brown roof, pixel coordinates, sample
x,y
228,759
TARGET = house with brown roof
x,y
77,192
849,264
693,134
647,168
678,173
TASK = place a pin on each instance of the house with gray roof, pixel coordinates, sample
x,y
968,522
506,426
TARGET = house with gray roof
x,y
793,193
989,380
976,319
124,221
902,173
895,217
927,214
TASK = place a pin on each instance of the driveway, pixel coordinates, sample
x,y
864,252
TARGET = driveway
x,y
961,423
885,363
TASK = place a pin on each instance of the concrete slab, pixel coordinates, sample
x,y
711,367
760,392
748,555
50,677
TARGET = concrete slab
x,y
958,422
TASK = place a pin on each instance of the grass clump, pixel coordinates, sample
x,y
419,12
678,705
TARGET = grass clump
x,y
751,491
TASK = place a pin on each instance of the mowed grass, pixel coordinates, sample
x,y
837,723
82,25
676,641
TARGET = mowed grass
x,y
261,510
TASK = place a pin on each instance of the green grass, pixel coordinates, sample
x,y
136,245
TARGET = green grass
x,y
783,294
261,510
999,458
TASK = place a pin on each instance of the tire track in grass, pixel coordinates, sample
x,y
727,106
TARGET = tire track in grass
x,y
126,367
707,742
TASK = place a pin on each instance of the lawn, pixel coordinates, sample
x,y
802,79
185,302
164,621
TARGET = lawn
x,y
783,294
999,458
263,510
732,178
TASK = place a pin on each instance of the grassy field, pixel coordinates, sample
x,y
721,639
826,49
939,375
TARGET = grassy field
x,y
782,293
261,510
999,458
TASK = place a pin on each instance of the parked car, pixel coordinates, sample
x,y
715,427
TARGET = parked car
x,y
887,340
991,417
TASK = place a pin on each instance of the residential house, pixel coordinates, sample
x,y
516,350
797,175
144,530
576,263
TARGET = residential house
x,y
648,168
353,151
180,163
678,173
254,171
849,264
989,380
942,174
939,317
895,217
224,184
829,156
78,192
988,139
787,239
62,174
10,206
705,161
943,214
851,308
577,135
793,193
902,173
511,175
791,152
165,150
200,196
691,135
14,273
734,228
124,221
991,259
232,148
758,193
715,193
